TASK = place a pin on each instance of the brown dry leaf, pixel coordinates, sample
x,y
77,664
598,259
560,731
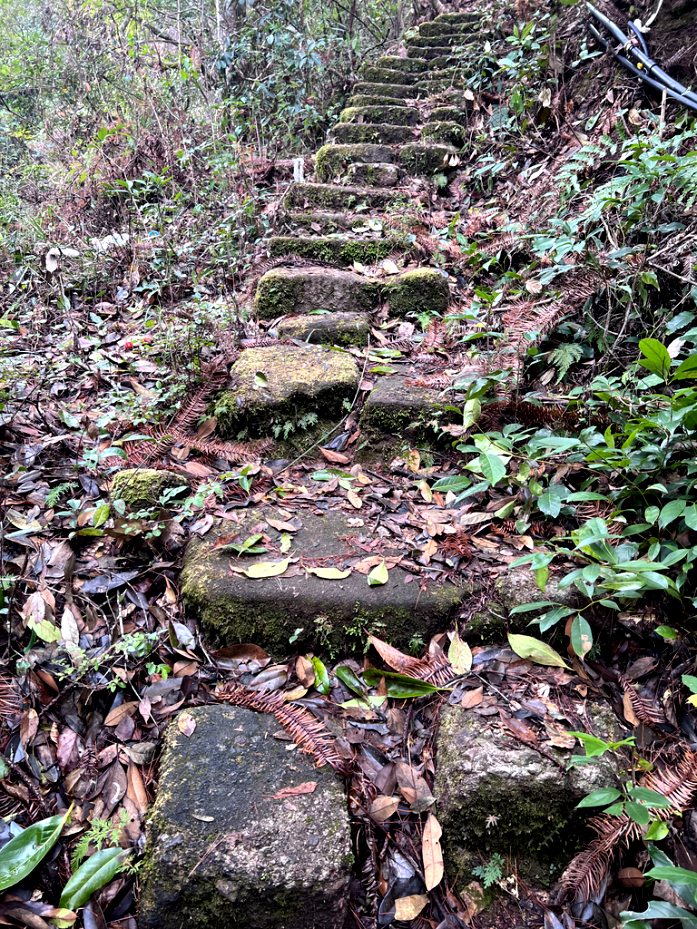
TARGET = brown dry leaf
x,y
392,656
305,671
432,853
307,788
28,726
382,808
290,525
136,789
184,668
206,428
119,712
473,899
297,694
414,788
472,698
186,724
519,729
66,752
628,711
413,460
408,908
354,499
334,457
390,266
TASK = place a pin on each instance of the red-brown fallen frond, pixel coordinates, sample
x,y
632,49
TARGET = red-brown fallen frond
x,y
235,452
506,242
436,670
646,712
308,733
10,698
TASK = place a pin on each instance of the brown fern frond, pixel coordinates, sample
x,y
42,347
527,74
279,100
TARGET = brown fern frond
x,y
308,733
235,452
645,711
434,381
434,669
436,335
506,242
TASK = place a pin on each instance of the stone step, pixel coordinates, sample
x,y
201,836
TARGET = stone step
x,y
370,100
422,290
378,134
375,75
282,864
412,65
397,416
436,28
341,250
434,41
332,197
376,175
283,384
387,115
436,57
423,159
332,615
327,328
286,291
447,133
333,160
448,80
399,91
449,114
462,18
321,222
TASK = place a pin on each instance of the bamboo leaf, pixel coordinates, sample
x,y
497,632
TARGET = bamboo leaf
x,y
94,873
28,849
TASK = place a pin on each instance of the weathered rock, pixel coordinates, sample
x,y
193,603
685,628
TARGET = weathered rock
x,y
332,615
405,65
377,175
142,487
378,134
423,290
440,39
327,328
373,100
452,114
222,852
495,794
320,221
375,75
286,291
400,91
446,132
331,197
397,414
332,160
430,54
389,115
417,158
461,18
324,248
444,29
283,385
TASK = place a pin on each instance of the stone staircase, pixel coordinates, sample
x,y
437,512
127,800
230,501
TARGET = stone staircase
x,y
404,122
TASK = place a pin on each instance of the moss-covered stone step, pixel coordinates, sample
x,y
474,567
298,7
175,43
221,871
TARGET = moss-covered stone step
x,y
377,175
447,79
373,100
483,773
383,134
445,29
341,250
333,160
461,18
398,91
284,384
332,615
389,115
286,291
441,40
332,197
449,114
320,222
422,290
327,328
142,487
375,75
446,132
398,414
280,864
421,158
413,65
437,54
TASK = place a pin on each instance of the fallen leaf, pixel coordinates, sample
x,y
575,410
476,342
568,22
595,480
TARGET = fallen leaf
x,y
432,853
115,716
28,726
290,525
265,569
334,457
378,575
408,908
533,287
460,655
413,460
305,672
472,698
330,574
354,499
186,724
628,711
414,788
525,646
390,266
382,808
307,788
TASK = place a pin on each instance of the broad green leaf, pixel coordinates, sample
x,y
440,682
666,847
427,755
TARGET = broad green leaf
x,y
378,575
350,678
690,682
529,607
584,495
400,686
492,467
659,909
100,515
666,632
541,577
594,747
650,798
28,849
690,516
93,874
656,832
637,812
549,503
679,875
581,636
651,514
452,483
330,574
670,513
360,702
321,676
527,647
460,655
267,569
687,369
656,357
600,798
471,413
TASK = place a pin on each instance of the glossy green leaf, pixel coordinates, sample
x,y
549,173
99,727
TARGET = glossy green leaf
x,y
321,676
690,682
400,686
378,575
528,647
659,909
656,358
656,831
28,849
600,798
93,874
678,875
638,813
492,467
650,798
581,636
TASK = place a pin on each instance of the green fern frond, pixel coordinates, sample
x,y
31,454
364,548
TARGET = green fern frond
x,y
563,356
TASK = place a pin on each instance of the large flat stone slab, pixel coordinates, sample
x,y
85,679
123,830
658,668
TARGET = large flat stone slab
x,y
332,614
495,794
344,251
332,160
221,851
285,291
282,384
332,197
397,412
377,134
327,328
391,115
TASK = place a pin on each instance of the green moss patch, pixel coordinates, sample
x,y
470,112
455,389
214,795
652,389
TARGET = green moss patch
x,y
327,329
142,487
285,291
447,132
332,160
405,65
389,115
423,159
423,290
379,75
344,251
400,91
332,197
383,134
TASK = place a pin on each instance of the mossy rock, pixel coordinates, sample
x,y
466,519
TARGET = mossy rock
x,y
403,65
481,772
343,251
387,115
434,56
444,28
376,175
331,161
298,291
332,615
461,18
400,91
222,852
324,222
440,40
423,290
382,134
142,487
327,329
332,197
422,159
449,114
447,132
362,100
285,384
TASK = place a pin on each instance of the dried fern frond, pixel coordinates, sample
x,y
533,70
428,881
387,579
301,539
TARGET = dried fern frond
x,y
308,733
646,712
